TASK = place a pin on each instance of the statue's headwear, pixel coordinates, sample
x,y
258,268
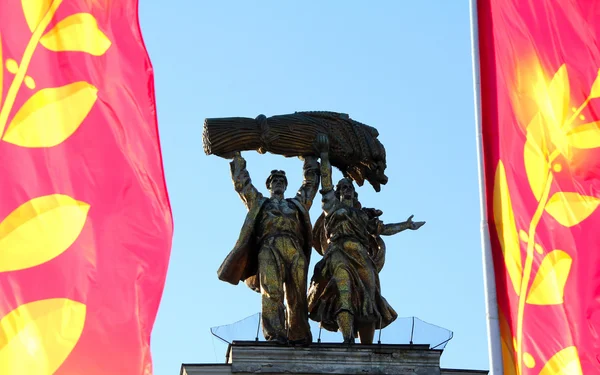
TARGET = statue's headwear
x,y
276,173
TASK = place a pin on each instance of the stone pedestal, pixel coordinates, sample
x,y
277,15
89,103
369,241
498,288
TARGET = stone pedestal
x,y
250,357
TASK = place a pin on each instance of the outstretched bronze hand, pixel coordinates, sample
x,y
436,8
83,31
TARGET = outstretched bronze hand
x,y
414,225
391,229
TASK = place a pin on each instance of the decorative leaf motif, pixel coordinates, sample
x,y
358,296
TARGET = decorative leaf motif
x,y
36,338
548,287
508,348
559,95
523,236
34,11
571,208
553,103
585,136
565,362
78,32
51,115
528,360
537,165
505,226
595,92
40,230
12,66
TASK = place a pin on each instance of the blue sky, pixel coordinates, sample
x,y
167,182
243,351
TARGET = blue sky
x,y
402,67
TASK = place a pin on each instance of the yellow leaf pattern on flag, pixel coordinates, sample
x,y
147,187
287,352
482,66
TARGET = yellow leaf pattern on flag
x,y
548,287
36,338
40,230
528,360
544,105
535,156
571,208
553,103
565,362
78,32
51,115
523,236
12,66
34,11
505,226
595,92
585,136
557,104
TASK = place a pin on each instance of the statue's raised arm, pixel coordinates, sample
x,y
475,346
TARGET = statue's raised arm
x,y
242,182
329,200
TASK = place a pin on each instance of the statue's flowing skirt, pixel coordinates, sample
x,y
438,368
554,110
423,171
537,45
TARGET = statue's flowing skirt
x,y
347,279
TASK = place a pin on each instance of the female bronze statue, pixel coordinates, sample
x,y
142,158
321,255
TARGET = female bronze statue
x,y
345,292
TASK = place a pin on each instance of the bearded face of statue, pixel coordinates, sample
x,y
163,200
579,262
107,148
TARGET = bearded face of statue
x,y
345,192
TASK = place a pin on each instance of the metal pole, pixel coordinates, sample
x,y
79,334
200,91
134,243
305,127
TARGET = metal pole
x,y
493,326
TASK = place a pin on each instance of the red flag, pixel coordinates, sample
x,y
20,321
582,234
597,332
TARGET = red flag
x,y
85,222
540,110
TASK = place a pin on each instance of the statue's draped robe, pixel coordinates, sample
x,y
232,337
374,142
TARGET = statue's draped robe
x,y
346,278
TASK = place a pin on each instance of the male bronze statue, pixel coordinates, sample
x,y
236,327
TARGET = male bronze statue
x,y
272,253
345,292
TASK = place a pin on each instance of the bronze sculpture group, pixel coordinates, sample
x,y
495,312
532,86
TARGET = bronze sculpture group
x,y
273,251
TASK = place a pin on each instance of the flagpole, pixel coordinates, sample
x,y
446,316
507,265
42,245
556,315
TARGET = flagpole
x,y
492,322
